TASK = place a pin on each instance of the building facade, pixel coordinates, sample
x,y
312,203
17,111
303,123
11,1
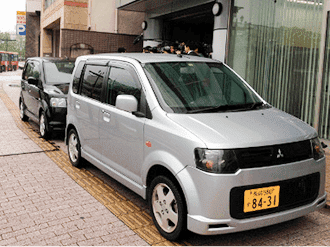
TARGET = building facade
x,y
32,45
78,27
280,47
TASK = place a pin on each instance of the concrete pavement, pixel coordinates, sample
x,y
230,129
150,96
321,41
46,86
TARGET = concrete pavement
x,y
40,204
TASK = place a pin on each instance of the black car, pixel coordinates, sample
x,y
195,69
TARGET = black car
x,y
44,87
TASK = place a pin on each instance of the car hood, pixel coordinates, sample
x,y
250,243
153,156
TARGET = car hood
x,y
245,128
58,89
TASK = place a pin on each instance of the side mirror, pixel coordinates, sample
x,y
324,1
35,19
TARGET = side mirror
x,y
127,103
33,81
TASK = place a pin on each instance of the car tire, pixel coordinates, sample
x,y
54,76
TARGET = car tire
x,y
22,111
167,208
43,126
74,148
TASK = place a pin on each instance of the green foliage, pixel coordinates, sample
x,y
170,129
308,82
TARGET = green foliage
x,y
15,46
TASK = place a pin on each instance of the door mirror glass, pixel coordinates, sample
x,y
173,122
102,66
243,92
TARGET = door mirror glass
x,y
33,81
127,103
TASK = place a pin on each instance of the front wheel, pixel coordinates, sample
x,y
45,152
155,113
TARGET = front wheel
x,y
43,126
167,208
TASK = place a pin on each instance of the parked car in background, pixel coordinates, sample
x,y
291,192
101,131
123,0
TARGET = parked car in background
x,y
194,139
44,88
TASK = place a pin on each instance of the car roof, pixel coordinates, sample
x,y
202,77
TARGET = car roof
x,y
51,59
149,57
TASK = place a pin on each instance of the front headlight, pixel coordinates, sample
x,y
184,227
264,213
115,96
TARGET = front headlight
x,y
58,102
318,151
216,161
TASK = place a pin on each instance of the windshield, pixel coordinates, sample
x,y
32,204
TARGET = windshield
x,y
58,72
191,87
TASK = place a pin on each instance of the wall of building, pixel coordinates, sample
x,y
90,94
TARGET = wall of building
x,y
97,17
33,8
101,42
33,5
52,13
102,15
75,15
32,35
129,22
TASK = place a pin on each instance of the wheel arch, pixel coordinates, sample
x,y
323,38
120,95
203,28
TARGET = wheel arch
x,y
158,170
69,127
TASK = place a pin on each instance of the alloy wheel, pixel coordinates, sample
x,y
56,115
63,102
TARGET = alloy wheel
x,y
165,208
42,125
73,148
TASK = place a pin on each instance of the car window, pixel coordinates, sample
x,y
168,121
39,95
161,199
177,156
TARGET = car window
x,y
76,77
186,87
32,70
92,83
122,81
58,72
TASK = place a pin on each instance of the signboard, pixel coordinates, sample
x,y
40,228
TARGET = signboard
x,y
21,29
21,17
21,23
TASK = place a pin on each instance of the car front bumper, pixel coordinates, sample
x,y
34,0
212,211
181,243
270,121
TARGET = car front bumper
x,y
211,205
58,118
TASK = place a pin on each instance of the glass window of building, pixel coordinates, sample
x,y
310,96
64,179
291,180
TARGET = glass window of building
x,y
274,45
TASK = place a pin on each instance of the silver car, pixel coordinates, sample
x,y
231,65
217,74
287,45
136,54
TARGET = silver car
x,y
194,139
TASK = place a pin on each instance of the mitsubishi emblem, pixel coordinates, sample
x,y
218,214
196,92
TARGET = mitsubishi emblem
x,y
279,154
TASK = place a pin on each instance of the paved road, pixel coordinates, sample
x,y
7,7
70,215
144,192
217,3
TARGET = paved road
x,y
42,205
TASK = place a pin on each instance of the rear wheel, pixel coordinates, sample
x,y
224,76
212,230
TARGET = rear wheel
x,y
167,208
22,111
43,126
74,148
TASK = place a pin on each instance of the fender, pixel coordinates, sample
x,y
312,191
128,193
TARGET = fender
x,y
179,171
163,158
45,107
188,187
70,121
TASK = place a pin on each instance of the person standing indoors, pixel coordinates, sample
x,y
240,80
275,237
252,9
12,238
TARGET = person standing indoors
x,y
190,48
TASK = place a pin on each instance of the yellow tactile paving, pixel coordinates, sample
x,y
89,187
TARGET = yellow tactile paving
x,y
130,214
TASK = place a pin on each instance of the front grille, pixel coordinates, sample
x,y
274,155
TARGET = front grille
x,y
293,193
273,155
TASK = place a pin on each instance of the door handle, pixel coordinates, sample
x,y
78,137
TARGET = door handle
x,y
106,116
77,105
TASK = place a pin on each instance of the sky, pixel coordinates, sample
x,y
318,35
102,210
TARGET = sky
x,y
8,9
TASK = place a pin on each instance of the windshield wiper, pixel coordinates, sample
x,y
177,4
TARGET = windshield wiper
x,y
211,109
256,105
224,108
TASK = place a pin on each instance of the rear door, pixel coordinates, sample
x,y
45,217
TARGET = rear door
x,y
87,105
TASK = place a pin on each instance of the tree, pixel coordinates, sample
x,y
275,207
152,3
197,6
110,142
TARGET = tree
x,y
17,45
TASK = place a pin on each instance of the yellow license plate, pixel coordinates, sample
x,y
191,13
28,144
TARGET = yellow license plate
x,y
261,198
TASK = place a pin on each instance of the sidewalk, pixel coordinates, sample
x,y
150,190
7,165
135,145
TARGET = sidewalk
x,y
41,205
